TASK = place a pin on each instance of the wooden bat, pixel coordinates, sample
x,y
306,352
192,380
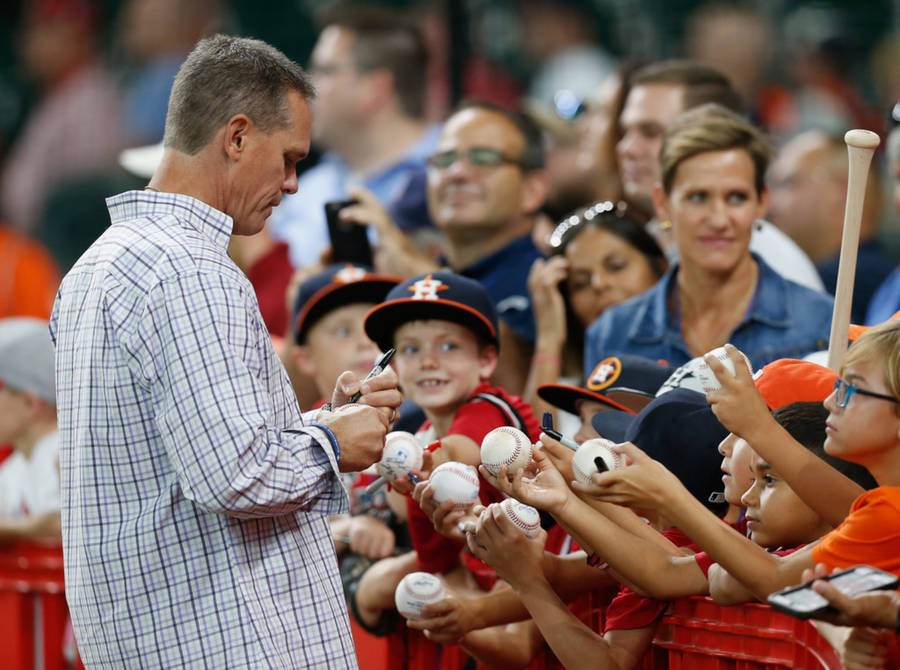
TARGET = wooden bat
x,y
861,144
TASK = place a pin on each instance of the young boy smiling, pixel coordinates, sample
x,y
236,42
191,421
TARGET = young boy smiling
x,y
445,332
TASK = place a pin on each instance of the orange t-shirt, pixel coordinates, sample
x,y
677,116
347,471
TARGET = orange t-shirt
x,y
870,535
29,277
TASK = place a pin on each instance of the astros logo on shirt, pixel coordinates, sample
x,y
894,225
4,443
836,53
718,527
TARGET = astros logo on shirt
x,y
606,372
427,288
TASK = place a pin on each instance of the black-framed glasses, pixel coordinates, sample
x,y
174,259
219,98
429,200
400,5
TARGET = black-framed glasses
x,y
843,390
478,156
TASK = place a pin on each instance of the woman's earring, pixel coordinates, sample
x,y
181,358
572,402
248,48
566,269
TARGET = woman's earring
x,y
758,224
666,225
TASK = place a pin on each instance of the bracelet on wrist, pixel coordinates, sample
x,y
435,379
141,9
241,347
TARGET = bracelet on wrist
x,y
332,439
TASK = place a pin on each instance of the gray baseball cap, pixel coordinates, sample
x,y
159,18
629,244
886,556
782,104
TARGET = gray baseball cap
x,y
27,357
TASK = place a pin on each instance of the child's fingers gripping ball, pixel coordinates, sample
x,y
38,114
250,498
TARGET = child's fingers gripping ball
x,y
456,481
593,456
402,453
524,517
505,446
707,377
415,591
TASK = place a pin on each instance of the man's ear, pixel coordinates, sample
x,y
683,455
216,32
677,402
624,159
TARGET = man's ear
x,y
236,135
304,360
534,190
487,361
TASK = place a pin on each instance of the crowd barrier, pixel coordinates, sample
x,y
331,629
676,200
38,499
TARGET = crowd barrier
x,y
34,617
694,634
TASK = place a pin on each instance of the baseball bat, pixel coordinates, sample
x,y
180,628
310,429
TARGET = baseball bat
x,y
861,144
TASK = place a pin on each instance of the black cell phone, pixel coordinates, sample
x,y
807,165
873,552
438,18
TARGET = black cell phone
x,y
349,241
804,603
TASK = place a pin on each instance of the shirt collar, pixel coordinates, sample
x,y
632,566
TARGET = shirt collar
x,y
769,303
188,211
496,260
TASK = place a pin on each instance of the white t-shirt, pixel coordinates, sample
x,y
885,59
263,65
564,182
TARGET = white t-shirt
x,y
30,486
783,255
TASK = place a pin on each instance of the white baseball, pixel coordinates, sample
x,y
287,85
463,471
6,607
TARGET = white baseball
x,y
584,462
505,446
401,454
457,481
415,591
525,517
707,379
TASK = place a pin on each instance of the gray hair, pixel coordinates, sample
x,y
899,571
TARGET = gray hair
x,y
224,76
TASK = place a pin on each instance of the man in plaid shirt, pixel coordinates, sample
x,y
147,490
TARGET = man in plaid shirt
x,y
195,497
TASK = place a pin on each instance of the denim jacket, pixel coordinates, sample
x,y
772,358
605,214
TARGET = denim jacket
x,y
785,320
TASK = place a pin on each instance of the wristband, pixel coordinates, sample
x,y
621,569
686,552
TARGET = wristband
x,y
331,438
594,561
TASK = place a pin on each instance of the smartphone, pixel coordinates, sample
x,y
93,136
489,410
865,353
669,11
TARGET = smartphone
x,y
804,603
349,241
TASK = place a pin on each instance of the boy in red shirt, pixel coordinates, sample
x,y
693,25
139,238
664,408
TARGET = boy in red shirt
x,y
445,331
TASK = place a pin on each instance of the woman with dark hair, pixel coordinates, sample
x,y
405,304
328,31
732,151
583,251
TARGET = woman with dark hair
x,y
600,257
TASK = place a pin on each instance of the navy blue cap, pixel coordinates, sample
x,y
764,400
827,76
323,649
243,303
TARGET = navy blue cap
x,y
336,286
679,430
623,382
437,295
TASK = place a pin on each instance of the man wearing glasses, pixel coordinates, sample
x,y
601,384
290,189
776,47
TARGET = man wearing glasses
x,y
486,183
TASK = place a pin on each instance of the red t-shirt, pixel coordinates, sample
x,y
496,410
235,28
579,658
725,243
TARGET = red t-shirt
x,y
703,559
474,419
870,535
628,610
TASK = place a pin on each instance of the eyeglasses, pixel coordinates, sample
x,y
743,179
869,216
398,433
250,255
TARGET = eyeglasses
x,y
844,390
477,156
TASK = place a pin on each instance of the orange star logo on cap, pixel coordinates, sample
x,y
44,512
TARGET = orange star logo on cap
x,y
427,288
606,372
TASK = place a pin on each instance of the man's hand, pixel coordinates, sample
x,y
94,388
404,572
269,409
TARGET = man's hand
x,y
497,542
396,254
738,405
645,483
359,430
380,392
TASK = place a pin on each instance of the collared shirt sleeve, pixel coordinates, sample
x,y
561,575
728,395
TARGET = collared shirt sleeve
x,y
196,350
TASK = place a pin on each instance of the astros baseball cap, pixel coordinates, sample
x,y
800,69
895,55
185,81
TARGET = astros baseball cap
x,y
336,286
679,429
436,295
27,357
789,380
622,382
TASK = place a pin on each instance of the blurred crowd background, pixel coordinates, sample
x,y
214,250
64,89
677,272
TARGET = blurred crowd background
x,y
82,79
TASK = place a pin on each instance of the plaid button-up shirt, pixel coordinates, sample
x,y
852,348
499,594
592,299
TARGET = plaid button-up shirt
x,y
195,529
